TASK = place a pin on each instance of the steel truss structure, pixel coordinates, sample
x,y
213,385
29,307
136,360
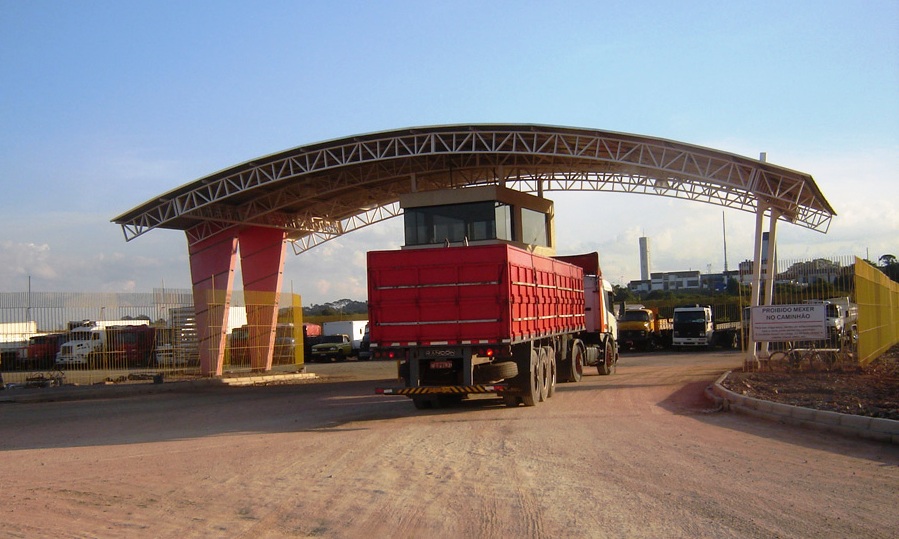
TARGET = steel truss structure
x,y
319,192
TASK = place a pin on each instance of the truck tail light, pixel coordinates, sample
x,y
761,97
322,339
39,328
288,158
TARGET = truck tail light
x,y
493,351
390,354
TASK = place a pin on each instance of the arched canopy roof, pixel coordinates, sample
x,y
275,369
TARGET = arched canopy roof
x,y
321,191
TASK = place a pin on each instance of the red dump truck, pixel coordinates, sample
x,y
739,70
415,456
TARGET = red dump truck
x,y
488,319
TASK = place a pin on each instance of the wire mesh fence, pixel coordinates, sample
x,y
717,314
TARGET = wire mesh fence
x,y
88,338
83,338
828,283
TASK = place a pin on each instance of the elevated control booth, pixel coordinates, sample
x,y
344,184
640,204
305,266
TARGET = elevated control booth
x,y
478,216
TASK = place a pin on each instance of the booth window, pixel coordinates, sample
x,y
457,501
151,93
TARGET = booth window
x,y
476,221
533,228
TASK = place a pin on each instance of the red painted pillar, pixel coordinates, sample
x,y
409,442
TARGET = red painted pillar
x,y
262,266
212,274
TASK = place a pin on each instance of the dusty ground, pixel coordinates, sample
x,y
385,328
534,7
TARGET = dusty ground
x,y
870,391
640,454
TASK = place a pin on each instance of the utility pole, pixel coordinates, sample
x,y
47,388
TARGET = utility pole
x,y
724,230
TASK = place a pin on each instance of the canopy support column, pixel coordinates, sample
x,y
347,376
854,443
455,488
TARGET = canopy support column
x,y
212,276
763,265
262,253
755,286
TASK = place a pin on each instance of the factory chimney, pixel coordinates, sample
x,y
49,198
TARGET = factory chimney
x,y
644,258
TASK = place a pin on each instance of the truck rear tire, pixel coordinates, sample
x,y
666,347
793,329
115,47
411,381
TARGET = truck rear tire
x,y
572,369
530,379
543,381
550,371
512,401
423,403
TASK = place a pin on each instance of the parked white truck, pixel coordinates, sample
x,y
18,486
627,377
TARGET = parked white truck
x,y
842,320
694,326
88,339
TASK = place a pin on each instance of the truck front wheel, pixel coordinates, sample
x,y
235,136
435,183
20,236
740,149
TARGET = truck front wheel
x,y
607,366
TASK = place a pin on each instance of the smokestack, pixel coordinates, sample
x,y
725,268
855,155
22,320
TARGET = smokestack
x,y
644,258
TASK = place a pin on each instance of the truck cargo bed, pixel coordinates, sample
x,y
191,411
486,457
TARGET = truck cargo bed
x,y
471,295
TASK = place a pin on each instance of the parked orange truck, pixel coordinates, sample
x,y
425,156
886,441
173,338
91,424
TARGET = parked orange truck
x,y
641,328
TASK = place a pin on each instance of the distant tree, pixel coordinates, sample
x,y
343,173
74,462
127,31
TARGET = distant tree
x,y
327,310
733,287
890,266
844,282
622,293
822,288
659,295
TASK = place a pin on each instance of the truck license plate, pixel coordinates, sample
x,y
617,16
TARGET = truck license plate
x,y
441,365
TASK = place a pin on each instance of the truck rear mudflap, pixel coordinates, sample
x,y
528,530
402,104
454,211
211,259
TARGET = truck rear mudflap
x,y
445,390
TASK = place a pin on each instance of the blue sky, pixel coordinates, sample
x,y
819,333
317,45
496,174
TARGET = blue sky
x,y
104,105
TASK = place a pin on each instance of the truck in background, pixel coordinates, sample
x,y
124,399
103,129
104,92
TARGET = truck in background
x,y
695,326
849,312
365,348
312,335
285,344
354,329
41,351
284,348
13,341
238,346
641,328
177,344
311,330
108,343
336,347
842,321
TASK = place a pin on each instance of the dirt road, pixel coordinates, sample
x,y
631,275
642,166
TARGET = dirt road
x,y
636,454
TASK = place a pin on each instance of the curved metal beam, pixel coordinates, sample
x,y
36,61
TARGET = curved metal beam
x,y
321,191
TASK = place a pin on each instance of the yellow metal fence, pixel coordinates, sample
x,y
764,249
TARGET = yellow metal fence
x,y
878,311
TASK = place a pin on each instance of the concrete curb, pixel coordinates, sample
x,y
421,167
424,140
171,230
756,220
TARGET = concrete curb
x,y
875,428
103,391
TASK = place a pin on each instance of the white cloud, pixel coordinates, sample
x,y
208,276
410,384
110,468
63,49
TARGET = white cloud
x,y
24,260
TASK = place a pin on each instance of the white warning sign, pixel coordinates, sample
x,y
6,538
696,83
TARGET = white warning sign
x,y
780,323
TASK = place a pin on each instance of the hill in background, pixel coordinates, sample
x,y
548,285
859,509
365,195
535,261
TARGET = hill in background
x,y
341,306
